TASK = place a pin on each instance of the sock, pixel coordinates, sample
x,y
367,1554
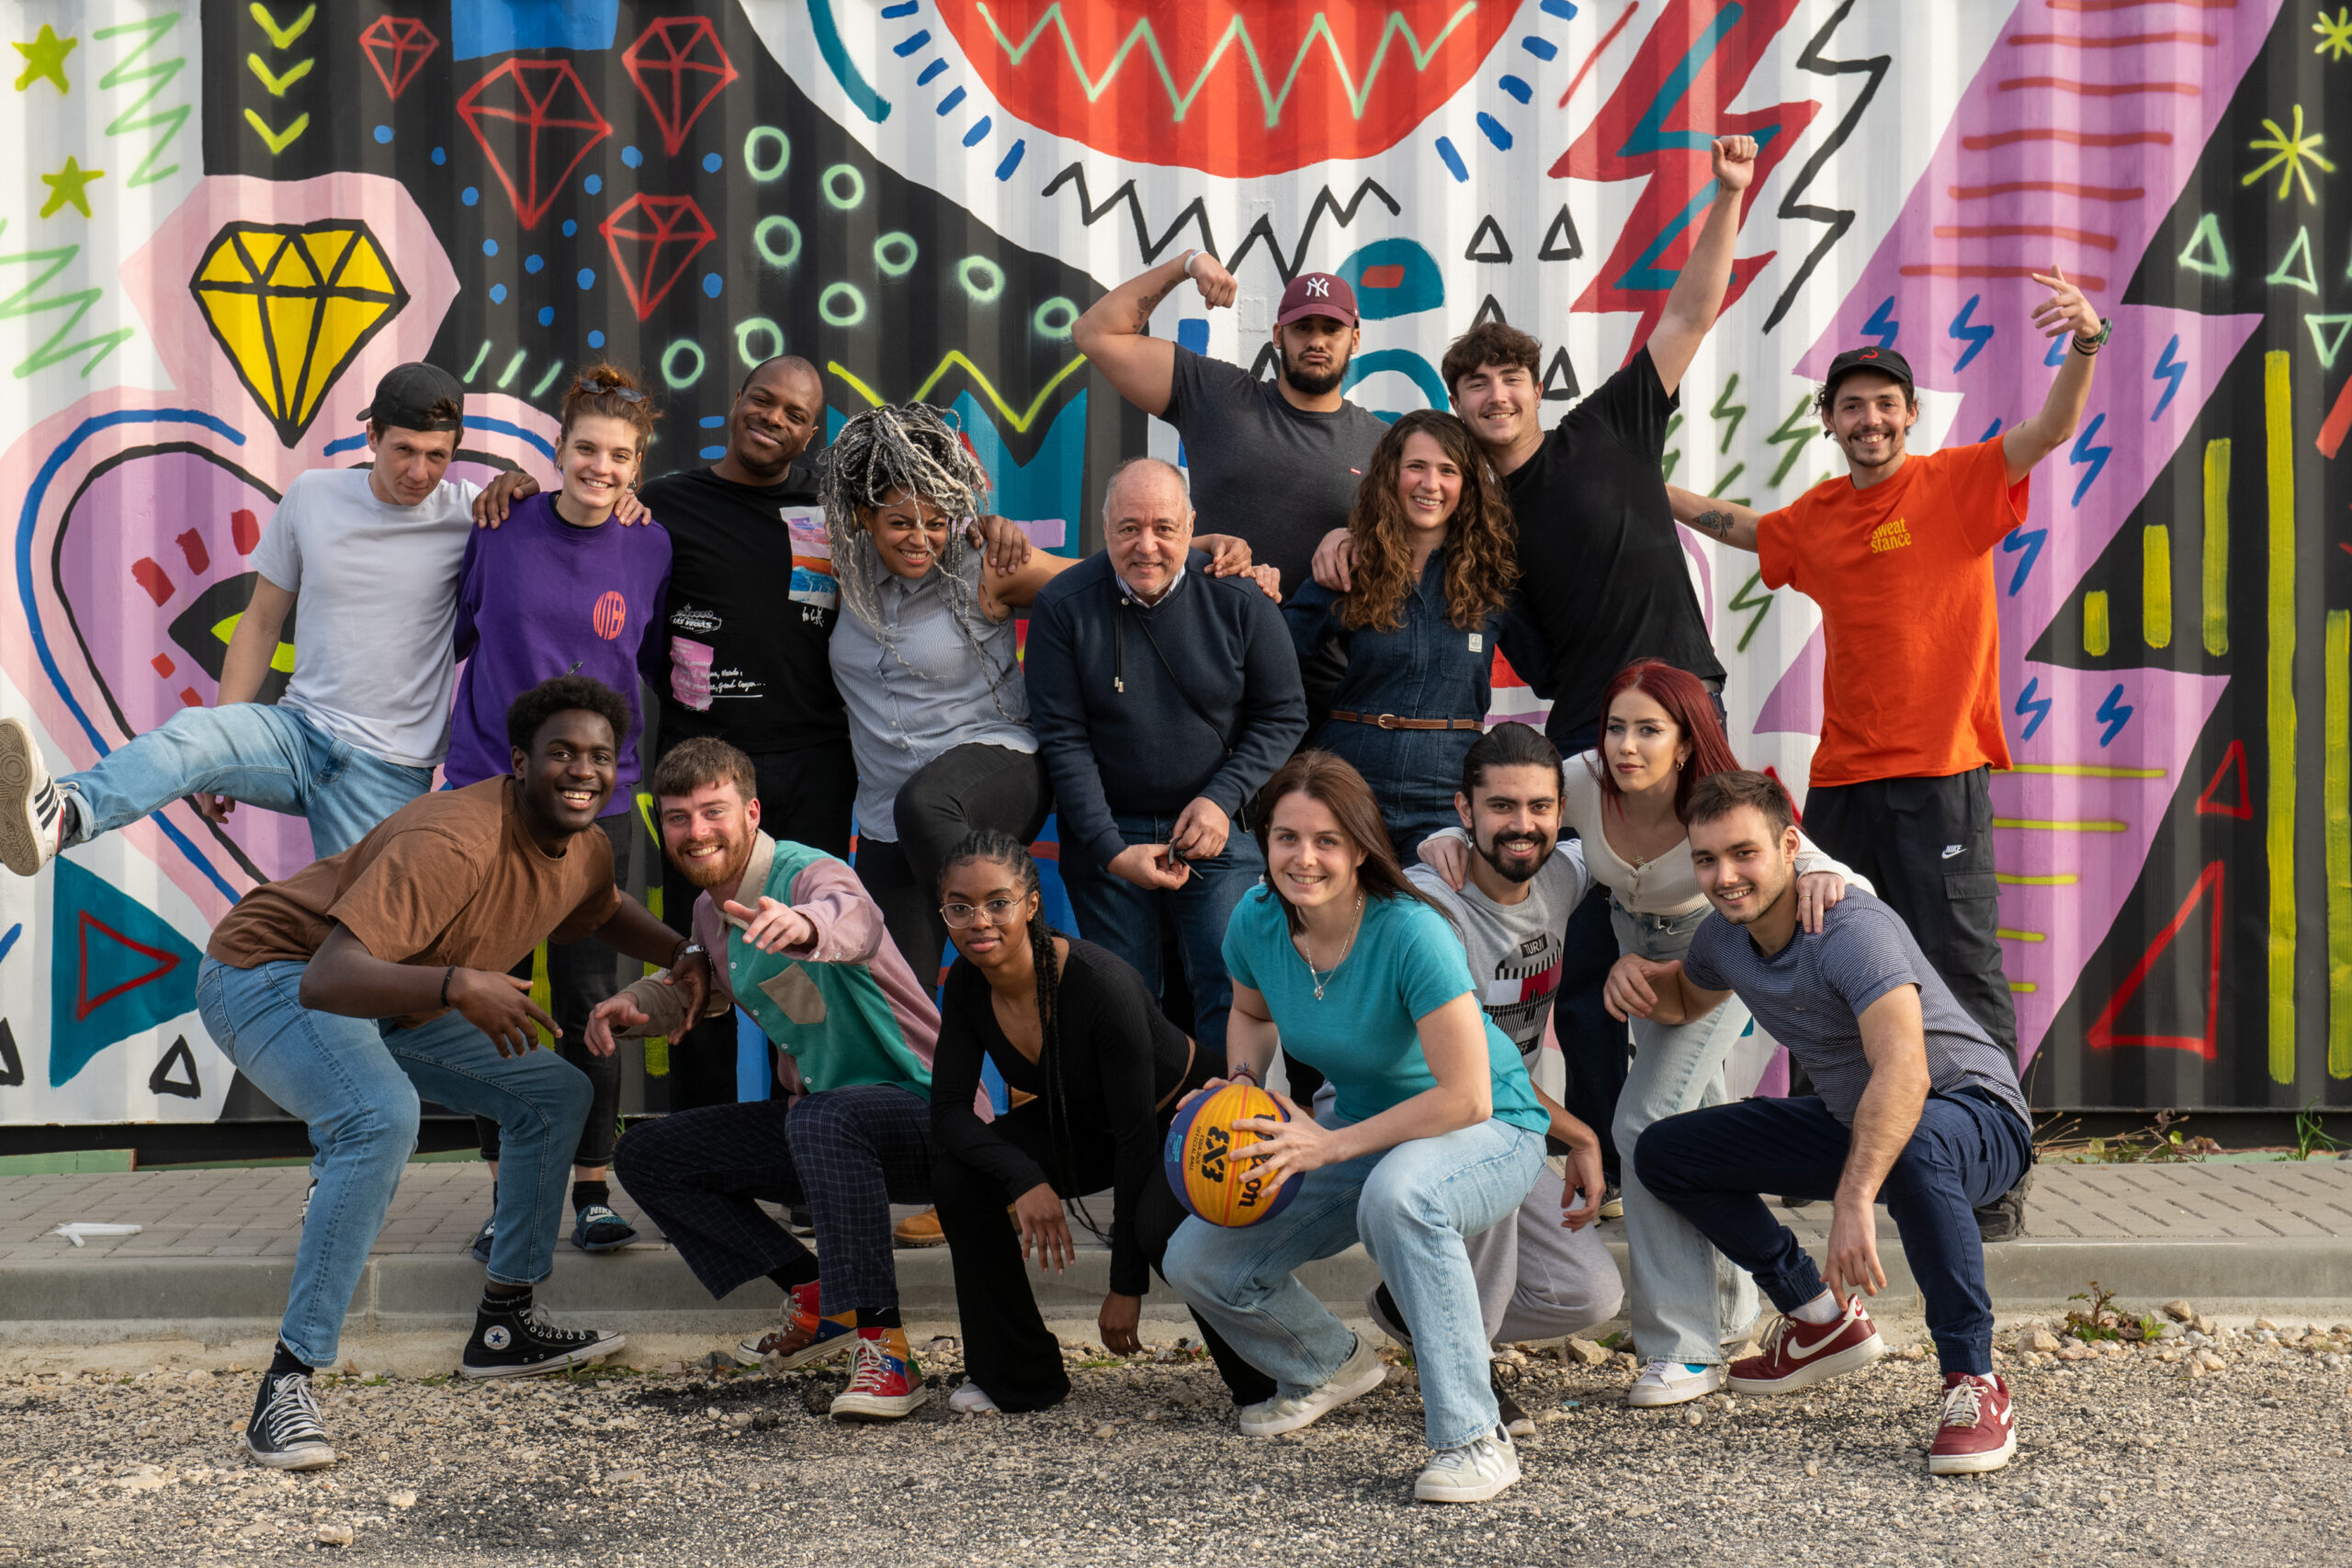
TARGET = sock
x,y
1823,1308
494,1304
878,1317
586,1192
801,1270
286,1361
69,819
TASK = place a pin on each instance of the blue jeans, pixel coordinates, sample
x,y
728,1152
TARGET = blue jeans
x,y
261,755
1115,914
356,1082
1710,1165
1410,1205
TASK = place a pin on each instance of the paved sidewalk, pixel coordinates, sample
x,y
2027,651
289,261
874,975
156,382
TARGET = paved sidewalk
x,y
217,1252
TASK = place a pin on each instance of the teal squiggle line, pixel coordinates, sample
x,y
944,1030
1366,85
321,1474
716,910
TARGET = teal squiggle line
x,y
869,103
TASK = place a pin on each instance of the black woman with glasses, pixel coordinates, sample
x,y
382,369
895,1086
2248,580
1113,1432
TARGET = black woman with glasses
x,y
559,588
1093,1072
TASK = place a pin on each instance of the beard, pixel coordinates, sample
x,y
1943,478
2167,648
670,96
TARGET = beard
x,y
1491,853
717,872
1311,383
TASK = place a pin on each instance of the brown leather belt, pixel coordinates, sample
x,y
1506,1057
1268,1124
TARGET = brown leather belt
x,y
1390,721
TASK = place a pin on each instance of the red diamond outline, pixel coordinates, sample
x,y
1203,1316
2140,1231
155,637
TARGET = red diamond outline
x,y
522,73
378,34
679,63
664,212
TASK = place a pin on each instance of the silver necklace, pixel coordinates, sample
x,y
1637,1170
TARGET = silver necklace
x,y
1324,978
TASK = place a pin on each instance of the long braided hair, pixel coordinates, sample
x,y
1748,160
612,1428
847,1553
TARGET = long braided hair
x,y
999,847
904,449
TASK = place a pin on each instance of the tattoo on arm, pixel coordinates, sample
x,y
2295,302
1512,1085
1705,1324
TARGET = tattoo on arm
x,y
1147,304
1719,524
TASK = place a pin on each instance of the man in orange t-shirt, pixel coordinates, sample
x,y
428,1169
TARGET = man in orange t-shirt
x,y
1898,555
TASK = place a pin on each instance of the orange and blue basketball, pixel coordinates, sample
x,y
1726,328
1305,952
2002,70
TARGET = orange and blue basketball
x,y
1201,1157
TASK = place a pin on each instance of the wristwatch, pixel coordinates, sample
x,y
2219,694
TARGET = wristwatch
x,y
687,951
2106,330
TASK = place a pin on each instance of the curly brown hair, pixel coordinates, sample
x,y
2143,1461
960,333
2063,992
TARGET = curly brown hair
x,y
1481,542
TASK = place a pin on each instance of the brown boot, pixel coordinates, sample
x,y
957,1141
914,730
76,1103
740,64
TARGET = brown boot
x,y
918,1230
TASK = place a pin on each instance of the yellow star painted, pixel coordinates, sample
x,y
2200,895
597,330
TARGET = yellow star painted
x,y
68,185
45,56
2334,37
2289,154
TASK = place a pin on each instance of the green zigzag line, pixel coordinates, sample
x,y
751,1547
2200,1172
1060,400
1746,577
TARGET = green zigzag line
x,y
21,303
1237,30
161,74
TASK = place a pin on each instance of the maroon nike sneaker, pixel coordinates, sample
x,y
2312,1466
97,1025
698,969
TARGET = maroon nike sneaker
x,y
1797,1354
1977,1431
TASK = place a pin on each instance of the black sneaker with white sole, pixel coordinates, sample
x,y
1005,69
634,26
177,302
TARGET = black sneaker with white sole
x,y
286,1431
2003,1219
483,1238
1514,1419
523,1344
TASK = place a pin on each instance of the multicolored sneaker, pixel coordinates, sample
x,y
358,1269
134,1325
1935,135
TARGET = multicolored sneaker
x,y
1797,1354
1673,1383
884,1384
1977,1431
806,1338
597,1228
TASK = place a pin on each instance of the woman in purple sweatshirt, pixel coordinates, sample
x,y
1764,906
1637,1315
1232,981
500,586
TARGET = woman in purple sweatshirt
x,y
563,588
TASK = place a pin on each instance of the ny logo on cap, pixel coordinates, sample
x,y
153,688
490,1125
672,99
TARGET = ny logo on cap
x,y
1320,286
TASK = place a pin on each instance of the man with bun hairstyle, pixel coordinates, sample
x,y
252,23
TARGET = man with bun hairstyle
x,y
1914,1106
378,977
1898,554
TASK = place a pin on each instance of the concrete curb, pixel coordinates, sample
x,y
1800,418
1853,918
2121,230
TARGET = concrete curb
x,y
648,1289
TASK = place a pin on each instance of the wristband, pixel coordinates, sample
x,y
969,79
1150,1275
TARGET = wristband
x,y
1244,1069
2106,330
445,973
1188,261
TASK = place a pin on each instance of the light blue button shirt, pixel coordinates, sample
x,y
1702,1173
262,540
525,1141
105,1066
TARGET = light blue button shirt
x,y
918,691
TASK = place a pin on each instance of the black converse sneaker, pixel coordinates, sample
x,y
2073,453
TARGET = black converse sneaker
x,y
519,1344
31,812
286,1432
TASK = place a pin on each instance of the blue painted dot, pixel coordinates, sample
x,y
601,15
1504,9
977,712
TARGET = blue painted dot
x,y
547,315
570,228
712,283
593,184
632,157
712,453
469,195
384,133
498,294
596,339
713,420
587,277
440,154
490,247
711,163
533,264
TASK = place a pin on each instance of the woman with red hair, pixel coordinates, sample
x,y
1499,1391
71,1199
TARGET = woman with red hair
x,y
1624,799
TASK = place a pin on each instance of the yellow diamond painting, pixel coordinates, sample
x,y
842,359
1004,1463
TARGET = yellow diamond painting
x,y
291,304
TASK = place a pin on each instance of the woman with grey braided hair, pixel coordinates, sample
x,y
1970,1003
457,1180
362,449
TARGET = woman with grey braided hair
x,y
924,653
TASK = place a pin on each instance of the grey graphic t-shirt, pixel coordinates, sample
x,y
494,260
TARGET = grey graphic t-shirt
x,y
1515,948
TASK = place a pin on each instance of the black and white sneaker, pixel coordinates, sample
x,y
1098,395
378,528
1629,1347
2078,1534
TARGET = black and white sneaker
x,y
483,1238
31,811
308,1192
286,1432
521,1344
597,1228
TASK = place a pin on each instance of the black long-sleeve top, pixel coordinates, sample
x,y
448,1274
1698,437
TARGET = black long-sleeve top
x,y
1120,1059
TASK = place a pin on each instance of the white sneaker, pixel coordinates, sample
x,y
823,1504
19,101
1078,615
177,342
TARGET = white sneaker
x,y
972,1400
1672,1382
1471,1473
31,811
1358,1375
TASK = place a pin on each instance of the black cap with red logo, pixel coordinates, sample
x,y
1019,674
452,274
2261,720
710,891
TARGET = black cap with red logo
x,y
1885,361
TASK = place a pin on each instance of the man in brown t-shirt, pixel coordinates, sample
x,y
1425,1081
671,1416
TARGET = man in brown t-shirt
x,y
379,976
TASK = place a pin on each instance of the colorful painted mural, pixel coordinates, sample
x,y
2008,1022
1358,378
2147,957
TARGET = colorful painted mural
x,y
226,220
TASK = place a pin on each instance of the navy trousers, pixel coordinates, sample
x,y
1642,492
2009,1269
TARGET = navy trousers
x,y
1710,1165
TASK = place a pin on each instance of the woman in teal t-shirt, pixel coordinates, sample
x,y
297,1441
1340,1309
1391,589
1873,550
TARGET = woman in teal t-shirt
x,y
1436,1132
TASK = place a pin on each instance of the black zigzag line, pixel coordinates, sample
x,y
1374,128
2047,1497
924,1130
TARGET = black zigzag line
x,y
1324,202
1091,212
1838,220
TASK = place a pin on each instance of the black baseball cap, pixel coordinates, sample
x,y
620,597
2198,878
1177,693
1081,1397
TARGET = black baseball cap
x,y
1885,361
417,395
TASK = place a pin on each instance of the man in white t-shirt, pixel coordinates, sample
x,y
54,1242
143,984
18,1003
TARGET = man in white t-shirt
x,y
1538,1279
372,555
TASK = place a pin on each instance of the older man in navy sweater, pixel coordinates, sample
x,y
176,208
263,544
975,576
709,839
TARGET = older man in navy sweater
x,y
1163,699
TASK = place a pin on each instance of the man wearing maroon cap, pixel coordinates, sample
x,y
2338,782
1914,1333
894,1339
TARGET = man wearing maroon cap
x,y
1274,462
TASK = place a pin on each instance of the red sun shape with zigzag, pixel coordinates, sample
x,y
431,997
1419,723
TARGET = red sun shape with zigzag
x,y
1331,81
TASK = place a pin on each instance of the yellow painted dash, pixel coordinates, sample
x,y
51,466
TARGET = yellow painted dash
x,y
2094,628
2055,879
2007,935
2216,573
2337,779
2046,825
2278,694
2155,585
2086,771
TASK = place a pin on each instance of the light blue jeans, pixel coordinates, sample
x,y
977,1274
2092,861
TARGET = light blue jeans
x,y
1688,1298
1410,1206
356,1083
261,755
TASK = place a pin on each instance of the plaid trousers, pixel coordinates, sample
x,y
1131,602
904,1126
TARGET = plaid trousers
x,y
845,1154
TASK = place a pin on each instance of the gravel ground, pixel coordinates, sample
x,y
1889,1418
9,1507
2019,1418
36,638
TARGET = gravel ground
x,y
2127,1458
